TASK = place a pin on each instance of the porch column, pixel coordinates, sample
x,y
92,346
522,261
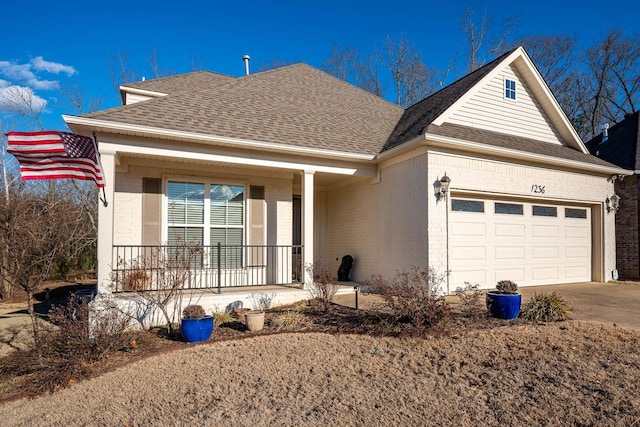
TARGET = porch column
x,y
105,224
307,224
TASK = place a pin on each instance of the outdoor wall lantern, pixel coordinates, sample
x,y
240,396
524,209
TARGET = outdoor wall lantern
x,y
441,187
613,203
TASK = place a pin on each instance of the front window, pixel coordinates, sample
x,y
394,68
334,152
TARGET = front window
x,y
208,214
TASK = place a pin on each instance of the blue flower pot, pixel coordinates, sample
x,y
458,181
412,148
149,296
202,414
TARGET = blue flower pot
x,y
196,330
504,306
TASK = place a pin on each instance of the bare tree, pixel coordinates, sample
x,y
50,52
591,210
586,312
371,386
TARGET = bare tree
x,y
121,70
23,102
624,74
346,64
78,100
412,78
34,234
554,55
482,40
196,63
156,69
8,178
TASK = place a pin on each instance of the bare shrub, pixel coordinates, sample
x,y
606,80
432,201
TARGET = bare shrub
x,y
67,351
193,312
135,281
324,286
414,296
262,300
161,277
471,300
507,287
289,320
546,307
220,318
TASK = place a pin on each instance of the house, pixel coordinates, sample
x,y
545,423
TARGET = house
x,y
273,171
619,145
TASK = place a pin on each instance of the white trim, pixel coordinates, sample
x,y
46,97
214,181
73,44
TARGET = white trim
x,y
136,91
517,154
427,139
160,152
199,137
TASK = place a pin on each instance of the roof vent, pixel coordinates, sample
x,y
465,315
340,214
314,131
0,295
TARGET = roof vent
x,y
246,59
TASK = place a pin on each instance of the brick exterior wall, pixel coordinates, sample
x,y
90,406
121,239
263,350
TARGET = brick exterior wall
x,y
627,240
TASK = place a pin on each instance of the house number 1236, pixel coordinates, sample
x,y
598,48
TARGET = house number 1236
x,y
539,189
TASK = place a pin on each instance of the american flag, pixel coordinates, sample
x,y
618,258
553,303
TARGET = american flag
x,y
55,155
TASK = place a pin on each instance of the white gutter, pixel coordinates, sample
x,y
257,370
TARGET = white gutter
x,y
144,92
448,142
238,142
223,158
523,155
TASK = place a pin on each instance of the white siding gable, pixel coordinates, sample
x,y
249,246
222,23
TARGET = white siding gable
x,y
132,98
487,108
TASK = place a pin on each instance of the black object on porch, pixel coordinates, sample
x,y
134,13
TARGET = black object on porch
x,y
345,268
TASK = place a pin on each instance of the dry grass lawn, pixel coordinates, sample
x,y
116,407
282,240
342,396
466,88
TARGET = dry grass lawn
x,y
570,373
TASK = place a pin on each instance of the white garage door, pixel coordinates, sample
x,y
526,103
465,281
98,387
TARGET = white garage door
x,y
527,242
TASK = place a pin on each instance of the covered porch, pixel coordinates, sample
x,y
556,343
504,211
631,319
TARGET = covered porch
x,y
276,228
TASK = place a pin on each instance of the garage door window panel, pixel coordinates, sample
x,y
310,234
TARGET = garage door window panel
x,y
550,211
575,213
461,205
509,208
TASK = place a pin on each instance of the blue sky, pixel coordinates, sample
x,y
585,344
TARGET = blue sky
x,y
46,44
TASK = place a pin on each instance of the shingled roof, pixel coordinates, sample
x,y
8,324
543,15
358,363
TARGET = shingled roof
x,y
180,82
510,142
301,106
295,105
621,145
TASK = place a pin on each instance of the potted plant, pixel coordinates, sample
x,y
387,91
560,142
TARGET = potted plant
x,y
196,326
504,303
254,319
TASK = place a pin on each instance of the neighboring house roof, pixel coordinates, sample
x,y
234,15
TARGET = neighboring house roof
x,y
621,145
300,106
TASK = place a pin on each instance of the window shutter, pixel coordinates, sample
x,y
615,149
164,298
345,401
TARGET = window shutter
x,y
256,219
151,211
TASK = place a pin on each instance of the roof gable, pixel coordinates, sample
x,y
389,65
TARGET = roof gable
x,y
420,115
621,145
535,114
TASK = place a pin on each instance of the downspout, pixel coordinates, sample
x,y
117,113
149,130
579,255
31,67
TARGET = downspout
x,y
446,231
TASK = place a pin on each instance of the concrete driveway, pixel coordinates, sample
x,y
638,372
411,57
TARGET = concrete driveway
x,y
612,303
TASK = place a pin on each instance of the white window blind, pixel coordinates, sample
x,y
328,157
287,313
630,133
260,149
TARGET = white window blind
x,y
223,222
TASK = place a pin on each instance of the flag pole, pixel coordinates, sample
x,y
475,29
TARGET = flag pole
x,y
103,198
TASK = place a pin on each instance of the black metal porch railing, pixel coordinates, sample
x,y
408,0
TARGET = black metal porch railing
x,y
139,268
